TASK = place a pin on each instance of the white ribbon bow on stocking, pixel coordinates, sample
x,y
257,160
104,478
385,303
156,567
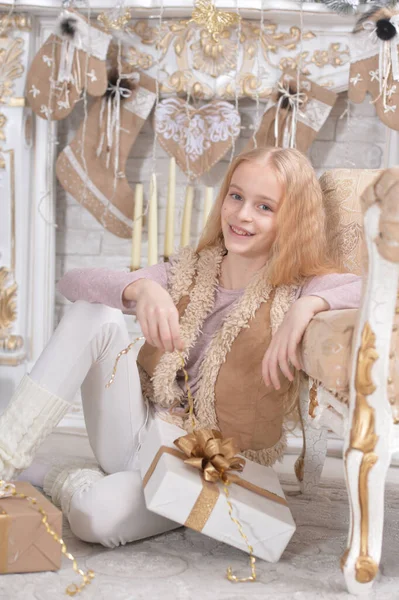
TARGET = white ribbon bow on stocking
x,y
111,132
69,71
295,100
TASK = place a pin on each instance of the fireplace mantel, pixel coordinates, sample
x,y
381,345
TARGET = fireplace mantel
x,y
281,10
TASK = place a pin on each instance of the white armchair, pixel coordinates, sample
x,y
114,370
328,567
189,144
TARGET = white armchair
x,y
352,364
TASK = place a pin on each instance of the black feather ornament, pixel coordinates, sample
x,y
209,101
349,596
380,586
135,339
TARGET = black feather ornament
x,y
68,27
374,14
385,30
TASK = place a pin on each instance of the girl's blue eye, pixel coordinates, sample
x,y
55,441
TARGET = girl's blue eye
x,y
265,207
236,196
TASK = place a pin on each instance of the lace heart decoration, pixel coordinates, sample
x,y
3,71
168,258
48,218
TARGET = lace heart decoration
x,y
197,137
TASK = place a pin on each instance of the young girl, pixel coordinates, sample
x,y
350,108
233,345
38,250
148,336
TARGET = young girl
x,y
236,308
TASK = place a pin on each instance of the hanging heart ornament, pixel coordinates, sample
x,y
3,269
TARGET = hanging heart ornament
x,y
197,137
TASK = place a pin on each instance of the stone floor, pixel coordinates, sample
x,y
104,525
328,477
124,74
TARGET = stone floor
x,y
184,565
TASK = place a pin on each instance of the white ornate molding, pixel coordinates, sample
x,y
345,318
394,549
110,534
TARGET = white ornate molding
x,y
43,224
14,195
27,248
323,44
178,8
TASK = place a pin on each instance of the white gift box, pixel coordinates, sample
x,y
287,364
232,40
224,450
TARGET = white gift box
x,y
172,489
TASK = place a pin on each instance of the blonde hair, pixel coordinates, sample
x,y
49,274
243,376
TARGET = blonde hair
x,y
300,248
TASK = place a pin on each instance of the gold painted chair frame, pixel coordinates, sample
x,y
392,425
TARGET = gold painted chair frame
x,y
370,425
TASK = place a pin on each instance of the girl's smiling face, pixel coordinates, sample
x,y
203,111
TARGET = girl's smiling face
x,y
250,208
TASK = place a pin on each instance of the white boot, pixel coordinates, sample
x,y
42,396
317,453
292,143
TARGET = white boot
x,y
30,417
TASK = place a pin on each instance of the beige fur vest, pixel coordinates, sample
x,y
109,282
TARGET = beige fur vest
x,y
232,396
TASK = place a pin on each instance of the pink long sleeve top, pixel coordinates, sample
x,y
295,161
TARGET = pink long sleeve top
x,y
105,286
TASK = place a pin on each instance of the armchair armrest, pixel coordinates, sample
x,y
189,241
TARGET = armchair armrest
x,y
326,348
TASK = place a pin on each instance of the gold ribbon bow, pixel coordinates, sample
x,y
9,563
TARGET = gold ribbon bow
x,y
208,452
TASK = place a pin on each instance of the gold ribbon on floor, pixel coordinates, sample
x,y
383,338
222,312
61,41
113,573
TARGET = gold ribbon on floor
x,y
8,490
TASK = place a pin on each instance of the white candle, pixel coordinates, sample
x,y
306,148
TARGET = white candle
x,y
208,203
153,223
186,223
137,227
170,210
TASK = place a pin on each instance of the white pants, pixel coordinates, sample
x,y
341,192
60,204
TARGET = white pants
x,y
81,354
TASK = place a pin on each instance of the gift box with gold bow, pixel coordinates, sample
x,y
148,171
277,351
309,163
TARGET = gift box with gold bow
x,y
185,477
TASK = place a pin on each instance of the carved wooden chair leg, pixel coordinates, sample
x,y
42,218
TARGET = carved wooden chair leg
x,y
368,440
366,471
309,465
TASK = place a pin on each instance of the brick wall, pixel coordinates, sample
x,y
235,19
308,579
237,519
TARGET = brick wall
x,y
81,242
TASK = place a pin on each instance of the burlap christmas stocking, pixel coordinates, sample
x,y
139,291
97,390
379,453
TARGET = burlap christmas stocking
x,y
93,170
292,120
375,65
73,57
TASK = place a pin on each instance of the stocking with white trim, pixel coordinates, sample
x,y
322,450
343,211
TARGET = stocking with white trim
x,y
72,58
375,63
93,170
291,119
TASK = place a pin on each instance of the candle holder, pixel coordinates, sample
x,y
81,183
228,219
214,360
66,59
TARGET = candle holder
x,y
132,269
165,258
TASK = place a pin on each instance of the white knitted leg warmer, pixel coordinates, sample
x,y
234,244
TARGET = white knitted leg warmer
x,y
62,482
30,417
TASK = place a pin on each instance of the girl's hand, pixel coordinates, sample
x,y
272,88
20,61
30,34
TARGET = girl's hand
x,y
156,313
284,345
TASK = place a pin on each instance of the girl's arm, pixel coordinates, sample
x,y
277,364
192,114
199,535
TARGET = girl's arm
x,y
105,286
144,290
339,290
327,292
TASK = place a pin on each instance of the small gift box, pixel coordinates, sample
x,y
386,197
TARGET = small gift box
x,y
25,544
179,490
